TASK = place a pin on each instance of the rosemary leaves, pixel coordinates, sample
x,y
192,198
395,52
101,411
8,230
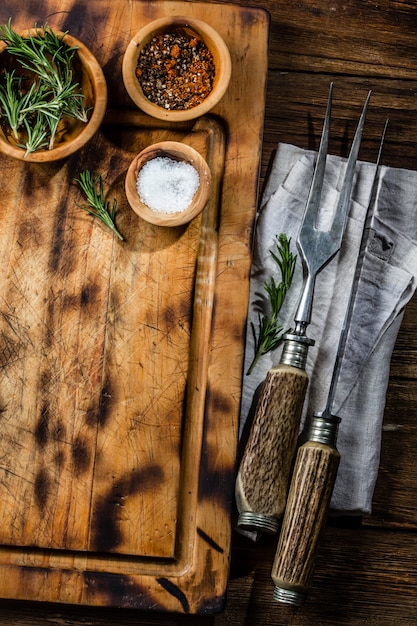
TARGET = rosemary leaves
x,y
93,188
38,88
270,331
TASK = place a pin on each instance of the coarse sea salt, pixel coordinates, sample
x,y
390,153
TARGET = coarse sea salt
x,y
166,185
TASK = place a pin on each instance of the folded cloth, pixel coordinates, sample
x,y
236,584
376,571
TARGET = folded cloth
x,y
387,282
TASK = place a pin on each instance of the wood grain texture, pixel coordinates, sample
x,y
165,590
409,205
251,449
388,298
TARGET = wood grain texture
x,y
366,569
119,400
264,472
305,515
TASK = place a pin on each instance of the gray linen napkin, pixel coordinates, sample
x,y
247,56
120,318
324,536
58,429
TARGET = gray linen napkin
x,y
388,281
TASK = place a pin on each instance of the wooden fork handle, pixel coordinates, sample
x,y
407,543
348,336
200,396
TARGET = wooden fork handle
x,y
305,515
264,472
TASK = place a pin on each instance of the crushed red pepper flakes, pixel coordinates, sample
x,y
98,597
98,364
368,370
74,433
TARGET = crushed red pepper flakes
x,y
176,70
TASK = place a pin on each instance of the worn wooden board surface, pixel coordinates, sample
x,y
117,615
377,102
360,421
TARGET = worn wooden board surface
x,y
121,362
365,573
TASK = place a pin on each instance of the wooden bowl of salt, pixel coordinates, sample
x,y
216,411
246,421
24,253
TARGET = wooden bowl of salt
x,y
168,183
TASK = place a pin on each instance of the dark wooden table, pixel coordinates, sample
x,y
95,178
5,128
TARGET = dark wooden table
x,y
366,571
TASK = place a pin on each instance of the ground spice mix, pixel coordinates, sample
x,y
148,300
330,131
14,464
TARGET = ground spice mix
x,y
176,70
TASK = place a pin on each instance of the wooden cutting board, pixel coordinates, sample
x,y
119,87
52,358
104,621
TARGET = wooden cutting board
x,y
121,362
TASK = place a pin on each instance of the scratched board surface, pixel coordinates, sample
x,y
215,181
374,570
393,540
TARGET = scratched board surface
x,y
96,338
121,361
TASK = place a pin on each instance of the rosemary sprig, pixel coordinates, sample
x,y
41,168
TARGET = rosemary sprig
x,y
93,188
11,103
37,135
270,331
34,101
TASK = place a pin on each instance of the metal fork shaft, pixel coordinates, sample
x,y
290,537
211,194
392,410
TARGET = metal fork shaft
x,y
318,247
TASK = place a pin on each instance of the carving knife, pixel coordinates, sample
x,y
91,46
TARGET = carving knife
x,y
315,468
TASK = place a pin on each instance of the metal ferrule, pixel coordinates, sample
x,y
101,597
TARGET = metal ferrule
x,y
295,350
289,596
258,522
324,429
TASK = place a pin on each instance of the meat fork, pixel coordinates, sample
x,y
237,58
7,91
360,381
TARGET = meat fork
x,y
264,473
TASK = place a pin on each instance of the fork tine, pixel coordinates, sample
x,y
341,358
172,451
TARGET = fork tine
x,y
337,227
318,247
313,199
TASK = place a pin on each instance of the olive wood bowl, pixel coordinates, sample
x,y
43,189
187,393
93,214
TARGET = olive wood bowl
x,y
213,41
179,152
74,134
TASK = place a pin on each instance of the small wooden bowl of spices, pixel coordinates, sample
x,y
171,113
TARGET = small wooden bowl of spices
x,y
168,183
176,68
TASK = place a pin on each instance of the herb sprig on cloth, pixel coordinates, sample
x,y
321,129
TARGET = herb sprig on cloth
x,y
270,330
93,188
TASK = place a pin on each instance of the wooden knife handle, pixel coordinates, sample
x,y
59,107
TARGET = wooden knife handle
x,y
264,472
305,515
